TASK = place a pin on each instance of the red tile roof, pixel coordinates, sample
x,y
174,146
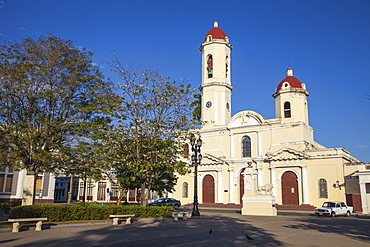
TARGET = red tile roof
x,y
216,33
294,82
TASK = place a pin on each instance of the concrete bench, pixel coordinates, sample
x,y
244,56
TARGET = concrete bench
x,y
176,215
16,223
116,217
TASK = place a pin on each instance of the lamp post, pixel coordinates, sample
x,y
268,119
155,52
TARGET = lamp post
x,y
196,157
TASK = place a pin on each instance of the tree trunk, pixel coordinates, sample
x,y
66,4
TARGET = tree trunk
x,y
85,184
69,197
122,193
143,196
34,186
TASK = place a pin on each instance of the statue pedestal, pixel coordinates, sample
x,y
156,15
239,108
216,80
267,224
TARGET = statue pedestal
x,y
263,205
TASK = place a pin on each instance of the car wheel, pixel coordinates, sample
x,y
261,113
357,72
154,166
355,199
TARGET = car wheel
x,y
176,206
332,214
347,214
318,215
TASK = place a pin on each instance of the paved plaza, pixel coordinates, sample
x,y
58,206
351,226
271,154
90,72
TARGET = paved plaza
x,y
217,227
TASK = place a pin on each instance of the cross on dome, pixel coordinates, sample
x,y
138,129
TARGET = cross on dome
x,y
293,82
216,33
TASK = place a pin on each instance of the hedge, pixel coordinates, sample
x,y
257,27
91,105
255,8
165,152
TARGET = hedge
x,y
56,213
6,204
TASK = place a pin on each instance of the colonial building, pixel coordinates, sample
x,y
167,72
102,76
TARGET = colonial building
x,y
282,150
364,180
18,186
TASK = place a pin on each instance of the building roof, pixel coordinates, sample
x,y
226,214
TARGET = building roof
x,y
293,82
216,32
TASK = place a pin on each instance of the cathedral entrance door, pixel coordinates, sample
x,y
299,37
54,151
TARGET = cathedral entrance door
x,y
208,189
289,187
241,190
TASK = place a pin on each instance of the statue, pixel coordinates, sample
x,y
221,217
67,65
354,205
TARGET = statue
x,y
267,189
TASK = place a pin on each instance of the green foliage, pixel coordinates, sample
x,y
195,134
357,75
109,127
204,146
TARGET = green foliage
x,y
196,105
56,213
6,204
146,145
51,96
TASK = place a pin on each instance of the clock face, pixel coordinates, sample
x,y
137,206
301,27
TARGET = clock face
x,y
208,104
228,106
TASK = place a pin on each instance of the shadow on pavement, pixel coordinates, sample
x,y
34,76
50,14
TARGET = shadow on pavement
x,y
213,229
355,227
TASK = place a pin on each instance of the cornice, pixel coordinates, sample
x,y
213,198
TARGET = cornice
x,y
209,84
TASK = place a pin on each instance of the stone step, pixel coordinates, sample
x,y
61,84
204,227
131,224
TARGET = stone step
x,y
215,205
304,207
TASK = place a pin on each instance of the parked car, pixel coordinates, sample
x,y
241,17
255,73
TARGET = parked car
x,y
334,208
166,202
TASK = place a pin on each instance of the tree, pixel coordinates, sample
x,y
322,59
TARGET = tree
x,y
196,105
51,94
150,134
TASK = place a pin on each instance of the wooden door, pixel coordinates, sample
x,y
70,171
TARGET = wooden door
x,y
101,191
289,187
114,192
241,189
354,201
208,189
75,191
82,191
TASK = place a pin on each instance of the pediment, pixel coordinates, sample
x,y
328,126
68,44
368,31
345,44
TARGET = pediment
x,y
286,154
246,118
210,159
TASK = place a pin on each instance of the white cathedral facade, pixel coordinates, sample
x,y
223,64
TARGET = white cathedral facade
x,y
282,151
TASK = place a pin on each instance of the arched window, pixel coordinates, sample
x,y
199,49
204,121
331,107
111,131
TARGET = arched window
x,y
287,110
246,146
210,66
227,66
185,190
323,188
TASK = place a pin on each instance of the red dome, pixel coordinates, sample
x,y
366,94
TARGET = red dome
x,y
216,33
293,82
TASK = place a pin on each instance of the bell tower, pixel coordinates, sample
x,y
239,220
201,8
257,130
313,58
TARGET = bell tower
x,y
216,85
291,100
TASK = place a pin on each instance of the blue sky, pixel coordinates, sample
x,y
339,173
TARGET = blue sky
x,y
326,42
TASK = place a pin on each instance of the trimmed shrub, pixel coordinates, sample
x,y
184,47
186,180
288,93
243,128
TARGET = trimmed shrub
x,y
7,204
56,213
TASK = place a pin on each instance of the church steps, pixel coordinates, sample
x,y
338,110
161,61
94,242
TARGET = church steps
x,y
300,208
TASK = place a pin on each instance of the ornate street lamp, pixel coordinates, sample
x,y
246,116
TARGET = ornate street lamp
x,y
196,157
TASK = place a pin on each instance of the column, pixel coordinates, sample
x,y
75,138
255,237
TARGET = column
x,y
273,179
219,186
259,143
304,185
215,108
231,185
365,207
259,174
20,183
231,146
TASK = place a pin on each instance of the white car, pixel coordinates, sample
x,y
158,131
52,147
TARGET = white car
x,y
334,208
